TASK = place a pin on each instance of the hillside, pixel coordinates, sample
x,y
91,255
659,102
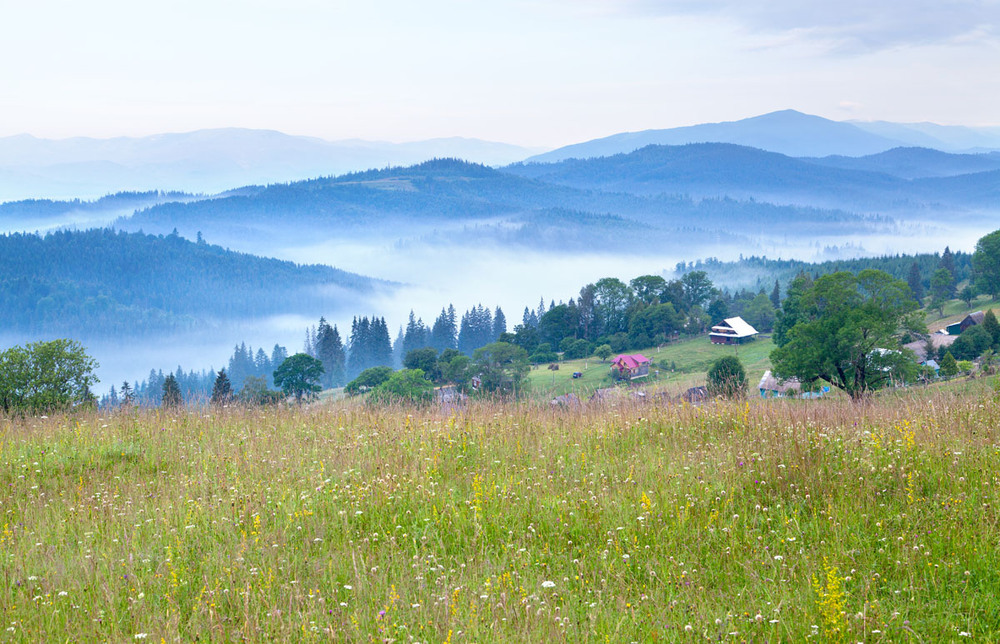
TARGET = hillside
x,y
106,284
722,169
915,163
453,202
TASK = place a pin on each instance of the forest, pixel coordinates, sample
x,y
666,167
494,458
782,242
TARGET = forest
x,y
131,284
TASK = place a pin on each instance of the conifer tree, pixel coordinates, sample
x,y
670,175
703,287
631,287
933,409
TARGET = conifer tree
x,y
499,323
171,392
222,389
915,282
776,295
127,395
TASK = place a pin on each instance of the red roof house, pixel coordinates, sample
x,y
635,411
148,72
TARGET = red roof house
x,y
630,367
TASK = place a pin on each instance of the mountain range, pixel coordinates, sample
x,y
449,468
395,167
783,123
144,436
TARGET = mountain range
x,y
794,134
212,161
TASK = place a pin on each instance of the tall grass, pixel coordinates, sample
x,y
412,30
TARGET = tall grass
x,y
749,521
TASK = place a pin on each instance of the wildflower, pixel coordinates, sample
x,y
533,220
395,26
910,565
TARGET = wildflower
x,y
140,636
688,628
548,584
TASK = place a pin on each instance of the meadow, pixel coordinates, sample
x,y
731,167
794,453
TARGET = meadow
x,y
776,520
677,366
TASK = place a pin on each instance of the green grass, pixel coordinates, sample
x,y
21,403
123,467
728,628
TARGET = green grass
x,y
692,358
779,520
955,310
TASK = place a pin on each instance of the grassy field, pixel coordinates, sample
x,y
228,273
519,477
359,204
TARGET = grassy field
x,y
775,520
690,357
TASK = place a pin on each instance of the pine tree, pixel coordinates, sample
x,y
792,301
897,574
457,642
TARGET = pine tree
x,y
128,395
949,366
499,323
222,390
992,327
776,295
330,351
444,333
171,392
948,263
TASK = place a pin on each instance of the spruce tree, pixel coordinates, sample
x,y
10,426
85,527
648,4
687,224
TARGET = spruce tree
x,y
499,323
171,392
776,295
127,395
222,389
948,263
992,327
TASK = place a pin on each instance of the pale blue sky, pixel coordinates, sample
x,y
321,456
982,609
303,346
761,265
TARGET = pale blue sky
x,y
540,73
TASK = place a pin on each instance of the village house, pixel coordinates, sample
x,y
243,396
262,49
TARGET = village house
x,y
732,331
630,367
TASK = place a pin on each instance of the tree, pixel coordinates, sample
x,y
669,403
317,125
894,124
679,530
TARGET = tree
x,y
256,392
426,360
727,378
986,264
44,376
791,307
760,314
222,389
848,332
171,392
941,282
407,386
613,299
368,379
971,343
948,263
299,376
648,288
697,288
967,294
949,366
992,327
501,368
776,296
329,349
128,394
603,352
915,282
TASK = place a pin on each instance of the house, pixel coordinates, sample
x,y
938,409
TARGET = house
x,y
732,331
630,367
972,319
771,387
936,341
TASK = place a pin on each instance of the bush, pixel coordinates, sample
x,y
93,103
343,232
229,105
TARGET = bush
x,y
367,379
407,386
727,378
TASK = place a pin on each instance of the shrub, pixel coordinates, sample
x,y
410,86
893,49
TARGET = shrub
x,y
727,378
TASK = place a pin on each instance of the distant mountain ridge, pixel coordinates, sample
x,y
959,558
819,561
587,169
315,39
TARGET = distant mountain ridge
x,y
791,133
208,161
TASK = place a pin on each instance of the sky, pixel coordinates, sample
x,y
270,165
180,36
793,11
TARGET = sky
x,y
540,73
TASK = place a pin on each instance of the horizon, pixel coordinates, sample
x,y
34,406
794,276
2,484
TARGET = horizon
x,y
535,148
530,74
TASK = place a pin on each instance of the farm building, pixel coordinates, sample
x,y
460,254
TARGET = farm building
x,y
972,319
630,367
936,341
732,331
771,387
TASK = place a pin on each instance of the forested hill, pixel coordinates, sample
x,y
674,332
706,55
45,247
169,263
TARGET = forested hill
x,y
446,201
131,283
716,169
30,214
761,272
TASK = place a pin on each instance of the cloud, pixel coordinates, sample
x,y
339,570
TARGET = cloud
x,y
849,26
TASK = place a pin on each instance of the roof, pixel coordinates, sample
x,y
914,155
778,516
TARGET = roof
x,y
975,318
937,340
736,324
631,361
770,383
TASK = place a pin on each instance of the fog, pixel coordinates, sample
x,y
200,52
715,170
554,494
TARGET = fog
x,y
433,275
